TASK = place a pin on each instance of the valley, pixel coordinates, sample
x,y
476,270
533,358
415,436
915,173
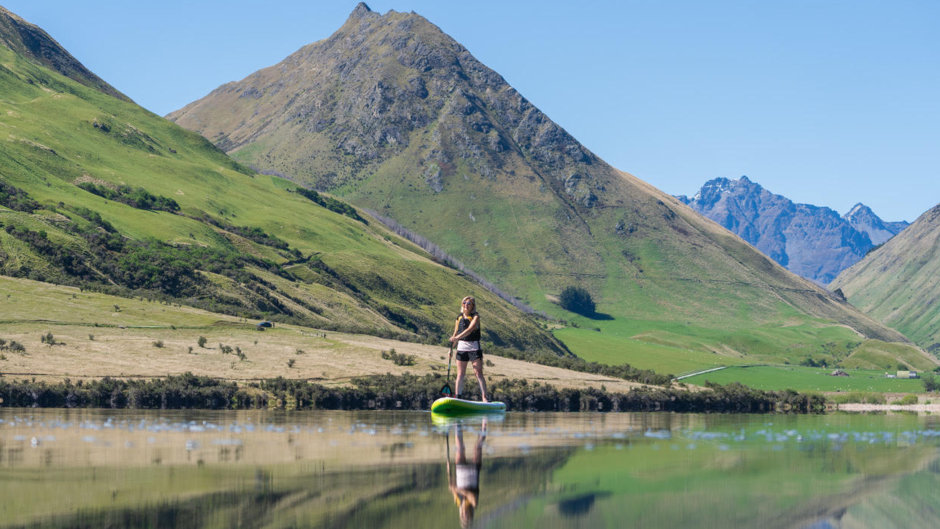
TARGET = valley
x,y
152,234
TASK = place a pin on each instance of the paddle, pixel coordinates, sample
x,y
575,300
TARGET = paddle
x,y
445,390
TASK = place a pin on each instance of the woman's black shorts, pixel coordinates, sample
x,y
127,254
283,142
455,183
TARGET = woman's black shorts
x,y
469,356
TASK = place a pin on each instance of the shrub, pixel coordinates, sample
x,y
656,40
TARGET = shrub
x,y
399,359
158,344
930,383
860,397
16,199
577,300
201,341
135,197
810,362
291,362
330,203
906,400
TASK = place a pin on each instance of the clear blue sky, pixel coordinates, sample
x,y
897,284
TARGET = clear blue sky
x,y
826,102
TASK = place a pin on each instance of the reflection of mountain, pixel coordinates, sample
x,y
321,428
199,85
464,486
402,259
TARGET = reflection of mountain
x,y
678,483
572,470
403,495
911,502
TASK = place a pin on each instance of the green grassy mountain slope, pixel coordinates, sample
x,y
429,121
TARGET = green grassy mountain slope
x,y
32,43
397,117
99,193
899,283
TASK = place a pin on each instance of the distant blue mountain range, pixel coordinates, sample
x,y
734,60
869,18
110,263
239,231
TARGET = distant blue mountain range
x,y
811,241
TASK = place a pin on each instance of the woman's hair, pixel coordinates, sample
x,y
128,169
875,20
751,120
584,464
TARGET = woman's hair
x,y
466,513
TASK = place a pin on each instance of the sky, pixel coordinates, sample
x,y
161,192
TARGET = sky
x,y
827,102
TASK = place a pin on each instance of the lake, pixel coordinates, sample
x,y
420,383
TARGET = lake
x,y
204,469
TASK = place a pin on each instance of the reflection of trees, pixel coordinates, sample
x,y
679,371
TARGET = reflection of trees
x,y
410,496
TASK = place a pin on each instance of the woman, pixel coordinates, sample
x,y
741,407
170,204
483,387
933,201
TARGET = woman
x,y
467,336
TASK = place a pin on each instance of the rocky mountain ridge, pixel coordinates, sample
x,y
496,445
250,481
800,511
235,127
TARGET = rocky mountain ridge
x,y
385,85
33,43
811,241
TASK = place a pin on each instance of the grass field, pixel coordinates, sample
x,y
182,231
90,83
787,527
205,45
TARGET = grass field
x,y
809,379
96,335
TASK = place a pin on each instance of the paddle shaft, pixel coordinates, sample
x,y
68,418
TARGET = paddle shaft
x,y
450,355
445,390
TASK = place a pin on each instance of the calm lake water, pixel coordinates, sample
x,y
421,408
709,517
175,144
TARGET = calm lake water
x,y
91,468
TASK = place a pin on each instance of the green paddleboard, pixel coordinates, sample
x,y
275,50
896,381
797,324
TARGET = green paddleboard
x,y
453,406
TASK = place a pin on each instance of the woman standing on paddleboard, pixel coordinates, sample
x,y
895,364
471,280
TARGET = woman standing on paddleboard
x,y
467,336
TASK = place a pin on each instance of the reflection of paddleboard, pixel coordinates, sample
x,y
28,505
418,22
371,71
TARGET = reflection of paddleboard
x,y
452,406
443,423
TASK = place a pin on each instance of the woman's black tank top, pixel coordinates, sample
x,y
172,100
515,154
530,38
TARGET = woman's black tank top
x,y
462,324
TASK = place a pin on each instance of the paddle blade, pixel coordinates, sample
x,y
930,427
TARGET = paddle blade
x,y
446,390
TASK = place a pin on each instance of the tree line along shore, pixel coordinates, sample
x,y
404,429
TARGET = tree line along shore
x,y
387,392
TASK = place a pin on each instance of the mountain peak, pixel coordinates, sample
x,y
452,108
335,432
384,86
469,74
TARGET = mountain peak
x,y
361,10
35,45
811,241
857,210
862,218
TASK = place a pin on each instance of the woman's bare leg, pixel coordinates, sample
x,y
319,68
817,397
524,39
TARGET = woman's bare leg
x,y
478,369
461,373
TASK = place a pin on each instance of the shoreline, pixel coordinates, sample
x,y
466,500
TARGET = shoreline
x,y
860,407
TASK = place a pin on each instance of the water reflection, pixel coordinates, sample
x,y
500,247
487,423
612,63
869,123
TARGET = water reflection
x,y
61,468
463,477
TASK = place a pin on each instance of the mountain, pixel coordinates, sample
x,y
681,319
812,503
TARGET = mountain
x,y
99,193
811,241
392,114
32,43
898,282
863,219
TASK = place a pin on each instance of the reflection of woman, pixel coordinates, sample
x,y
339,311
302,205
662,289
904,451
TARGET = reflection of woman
x,y
465,486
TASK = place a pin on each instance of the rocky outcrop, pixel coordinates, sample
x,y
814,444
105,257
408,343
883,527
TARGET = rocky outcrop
x,y
811,241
